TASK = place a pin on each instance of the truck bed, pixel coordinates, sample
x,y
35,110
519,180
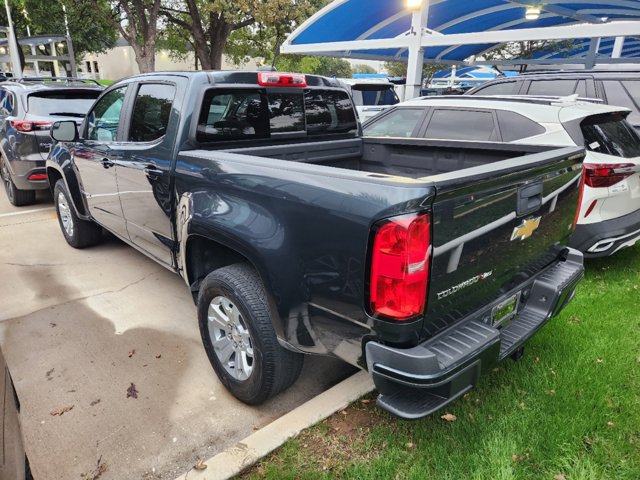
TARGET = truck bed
x,y
413,158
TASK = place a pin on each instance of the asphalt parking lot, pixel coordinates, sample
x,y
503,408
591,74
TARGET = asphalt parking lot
x,y
79,327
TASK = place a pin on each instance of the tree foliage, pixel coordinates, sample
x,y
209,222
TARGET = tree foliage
x,y
137,22
363,68
327,66
242,28
527,50
89,26
399,69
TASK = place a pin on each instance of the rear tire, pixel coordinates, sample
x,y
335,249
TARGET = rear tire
x,y
77,232
18,198
238,336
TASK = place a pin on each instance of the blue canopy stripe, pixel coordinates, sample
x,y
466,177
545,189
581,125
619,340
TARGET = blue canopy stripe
x,y
350,20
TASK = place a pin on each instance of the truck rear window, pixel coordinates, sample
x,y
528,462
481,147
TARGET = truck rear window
x,y
611,134
66,104
236,114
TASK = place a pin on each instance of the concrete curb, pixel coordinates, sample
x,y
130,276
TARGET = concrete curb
x,y
259,444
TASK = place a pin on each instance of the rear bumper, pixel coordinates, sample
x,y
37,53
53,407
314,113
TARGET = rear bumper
x,y
23,167
418,381
605,238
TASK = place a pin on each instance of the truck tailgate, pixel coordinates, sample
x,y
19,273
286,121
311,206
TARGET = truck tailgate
x,y
493,228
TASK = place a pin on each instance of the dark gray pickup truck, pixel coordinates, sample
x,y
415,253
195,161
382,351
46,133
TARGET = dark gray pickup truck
x,y
422,262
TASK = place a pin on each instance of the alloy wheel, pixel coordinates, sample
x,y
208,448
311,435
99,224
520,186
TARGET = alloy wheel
x,y
65,214
230,338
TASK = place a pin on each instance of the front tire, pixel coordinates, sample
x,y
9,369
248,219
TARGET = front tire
x,y
77,232
17,198
238,336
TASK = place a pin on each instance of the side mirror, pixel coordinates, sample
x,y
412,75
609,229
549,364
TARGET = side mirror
x,y
65,131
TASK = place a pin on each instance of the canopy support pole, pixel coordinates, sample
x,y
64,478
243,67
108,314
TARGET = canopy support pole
x,y
617,47
594,46
13,45
416,52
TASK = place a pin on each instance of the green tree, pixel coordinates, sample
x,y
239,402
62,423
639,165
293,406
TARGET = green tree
x,y
90,29
327,66
362,68
399,69
137,22
527,50
241,28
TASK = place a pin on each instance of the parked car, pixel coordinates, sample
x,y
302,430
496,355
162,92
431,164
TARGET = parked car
x,y
27,110
296,235
613,87
609,217
14,464
371,96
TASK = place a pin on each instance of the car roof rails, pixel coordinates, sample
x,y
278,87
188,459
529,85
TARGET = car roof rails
x,y
27,80
574,71
534,99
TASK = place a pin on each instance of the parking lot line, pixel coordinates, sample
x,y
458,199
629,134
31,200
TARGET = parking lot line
x,y
25,212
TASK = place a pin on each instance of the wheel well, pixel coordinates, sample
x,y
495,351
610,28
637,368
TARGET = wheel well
x,y
204,256
53,176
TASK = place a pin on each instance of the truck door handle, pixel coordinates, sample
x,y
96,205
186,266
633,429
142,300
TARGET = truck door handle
x,y
106,163
153,173
529,199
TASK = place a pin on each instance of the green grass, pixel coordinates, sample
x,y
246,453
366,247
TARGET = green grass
x,y
106,83
569,409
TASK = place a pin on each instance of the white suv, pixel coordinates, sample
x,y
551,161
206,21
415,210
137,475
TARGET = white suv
x,y
609,215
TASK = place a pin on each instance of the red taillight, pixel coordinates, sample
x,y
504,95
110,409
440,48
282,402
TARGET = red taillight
x,y
38,176
400,266
24,126
274,79
606,175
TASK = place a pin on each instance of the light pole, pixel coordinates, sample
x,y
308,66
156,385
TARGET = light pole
x,y
420,13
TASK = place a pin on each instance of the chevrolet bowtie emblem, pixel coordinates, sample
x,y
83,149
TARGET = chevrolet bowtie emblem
x,y
526,229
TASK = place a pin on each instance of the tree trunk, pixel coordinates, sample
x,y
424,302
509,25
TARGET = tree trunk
x,y
145,56
147,62
218,44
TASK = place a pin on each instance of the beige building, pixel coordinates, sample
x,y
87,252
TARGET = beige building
x,y
120,62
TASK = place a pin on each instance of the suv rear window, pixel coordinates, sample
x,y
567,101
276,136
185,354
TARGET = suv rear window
x,y
610,134
236,114
64,104
374,95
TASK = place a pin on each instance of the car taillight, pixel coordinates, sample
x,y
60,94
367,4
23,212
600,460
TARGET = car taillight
x,y
25,126
273,79
38,176
400,266
605,175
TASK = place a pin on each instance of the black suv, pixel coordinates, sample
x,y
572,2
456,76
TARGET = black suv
x,y
619,88
27,110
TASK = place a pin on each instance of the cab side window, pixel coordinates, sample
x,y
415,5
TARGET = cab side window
x,y
103,122
151,112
